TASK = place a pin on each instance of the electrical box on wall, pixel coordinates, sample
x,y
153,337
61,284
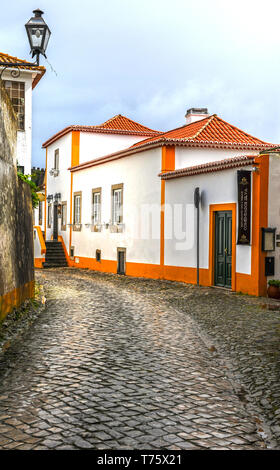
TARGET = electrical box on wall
x,y
269,265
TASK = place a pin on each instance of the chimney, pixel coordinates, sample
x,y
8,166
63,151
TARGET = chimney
x,y
196,114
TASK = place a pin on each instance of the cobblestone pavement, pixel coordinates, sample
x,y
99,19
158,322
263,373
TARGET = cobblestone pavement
x,y
118,363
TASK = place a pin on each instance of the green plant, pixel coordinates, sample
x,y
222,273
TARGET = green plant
x,y
274,282
33,187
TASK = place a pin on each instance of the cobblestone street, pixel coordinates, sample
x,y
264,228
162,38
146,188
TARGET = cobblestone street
x,y
122,363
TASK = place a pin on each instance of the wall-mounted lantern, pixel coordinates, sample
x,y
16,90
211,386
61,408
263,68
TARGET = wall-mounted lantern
x,y
49,198
268,239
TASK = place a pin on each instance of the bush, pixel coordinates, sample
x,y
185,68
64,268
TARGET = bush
x,y
33,187
274,282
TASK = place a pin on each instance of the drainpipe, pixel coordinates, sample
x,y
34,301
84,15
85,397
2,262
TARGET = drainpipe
x,y
197,199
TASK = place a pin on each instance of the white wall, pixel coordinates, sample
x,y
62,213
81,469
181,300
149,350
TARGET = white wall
x,y
24,138
61,183
142,186
94,145
185,157
217,188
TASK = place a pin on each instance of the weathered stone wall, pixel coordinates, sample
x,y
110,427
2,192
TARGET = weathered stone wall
x,y
16,232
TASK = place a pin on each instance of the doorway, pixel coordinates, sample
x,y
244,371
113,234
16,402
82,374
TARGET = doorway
x,y
223,249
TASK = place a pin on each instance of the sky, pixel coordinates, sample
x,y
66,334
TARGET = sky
x,y
151,60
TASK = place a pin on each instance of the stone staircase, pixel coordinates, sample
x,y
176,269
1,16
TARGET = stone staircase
x,y
55,256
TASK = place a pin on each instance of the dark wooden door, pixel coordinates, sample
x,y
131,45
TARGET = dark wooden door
x,y
121,262
223,248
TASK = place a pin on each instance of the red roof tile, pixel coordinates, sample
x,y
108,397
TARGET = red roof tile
x,y
116,125
210,167
209,132
24,66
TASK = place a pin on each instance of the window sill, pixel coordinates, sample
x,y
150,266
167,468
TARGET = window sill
x,y
77,227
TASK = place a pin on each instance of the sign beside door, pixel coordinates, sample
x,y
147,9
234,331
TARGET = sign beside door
x,y
244,207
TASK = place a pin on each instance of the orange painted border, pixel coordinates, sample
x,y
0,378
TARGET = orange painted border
x,y
75,159
38,263
41,239
15,298
167,164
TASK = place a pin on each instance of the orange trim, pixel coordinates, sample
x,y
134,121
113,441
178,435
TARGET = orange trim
x,y
41,239
167,164
38,263
212,209
75,160
15,298
168,158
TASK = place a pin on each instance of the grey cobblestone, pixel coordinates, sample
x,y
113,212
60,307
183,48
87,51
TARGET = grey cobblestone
x,y
114,363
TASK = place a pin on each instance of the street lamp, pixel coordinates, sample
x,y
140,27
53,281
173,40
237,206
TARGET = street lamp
x,y
38,34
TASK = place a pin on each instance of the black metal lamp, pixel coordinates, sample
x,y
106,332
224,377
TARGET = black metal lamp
x,y
49,198
57,196
38,34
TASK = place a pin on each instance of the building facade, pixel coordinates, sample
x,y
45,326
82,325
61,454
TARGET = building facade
x,y
125,203
19,83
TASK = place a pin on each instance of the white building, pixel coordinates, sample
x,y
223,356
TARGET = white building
x,y
126,204
19,83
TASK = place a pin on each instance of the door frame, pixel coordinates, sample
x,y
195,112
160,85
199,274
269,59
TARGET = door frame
x,y
213,208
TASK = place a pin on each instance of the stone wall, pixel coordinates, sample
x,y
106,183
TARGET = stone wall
x,y
16,232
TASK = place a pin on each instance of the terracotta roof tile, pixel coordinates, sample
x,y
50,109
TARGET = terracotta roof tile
x,y
210,167
211,131
116,125
11,59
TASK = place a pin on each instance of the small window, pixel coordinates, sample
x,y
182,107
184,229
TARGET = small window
x,y
96,206
117,204
77,210
56,159
20,169
98,256
16,92
72,250
63,215
49,215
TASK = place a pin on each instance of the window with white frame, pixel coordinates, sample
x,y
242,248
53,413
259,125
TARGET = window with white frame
x,y
117,204
96,206
63,215
56,159
77,207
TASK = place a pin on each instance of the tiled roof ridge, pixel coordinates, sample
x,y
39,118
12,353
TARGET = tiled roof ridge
x,y
209,119
210,167
240,130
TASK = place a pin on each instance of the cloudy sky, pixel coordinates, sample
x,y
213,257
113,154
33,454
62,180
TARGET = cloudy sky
x,y
151,60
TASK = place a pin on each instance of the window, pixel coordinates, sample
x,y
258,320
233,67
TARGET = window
x,y
117,204
96,206
16,92
63,215
49,215
40,212
56,159
20,169
77,210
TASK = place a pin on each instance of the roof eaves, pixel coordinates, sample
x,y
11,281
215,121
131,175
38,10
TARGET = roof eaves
x,y
209,167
